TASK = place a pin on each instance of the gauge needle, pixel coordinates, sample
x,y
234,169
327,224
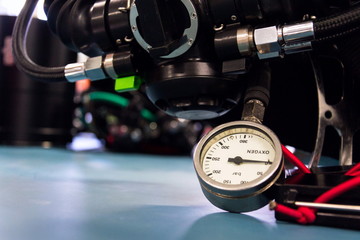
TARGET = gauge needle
x,y
238,160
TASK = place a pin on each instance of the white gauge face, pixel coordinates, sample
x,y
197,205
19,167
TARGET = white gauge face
x,y
237,155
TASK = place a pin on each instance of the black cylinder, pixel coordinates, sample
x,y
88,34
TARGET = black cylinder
x,y
98,26
226,44
123,62
34,112
118,21
193,90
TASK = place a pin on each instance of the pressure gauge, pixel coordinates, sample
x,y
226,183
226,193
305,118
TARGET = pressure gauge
x,y
237,164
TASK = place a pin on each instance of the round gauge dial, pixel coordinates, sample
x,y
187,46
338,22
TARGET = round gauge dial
x,y
237,164
237,156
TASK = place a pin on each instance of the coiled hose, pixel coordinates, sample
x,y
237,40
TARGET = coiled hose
x,y
338,25
24,63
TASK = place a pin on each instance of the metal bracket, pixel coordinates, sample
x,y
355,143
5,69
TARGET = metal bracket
x,y
341,116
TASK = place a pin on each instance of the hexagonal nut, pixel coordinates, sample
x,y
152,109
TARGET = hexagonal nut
x,y
253,111
266,42
93,68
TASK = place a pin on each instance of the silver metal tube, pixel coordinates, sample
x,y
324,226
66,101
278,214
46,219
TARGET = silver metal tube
x,y
329,206
244,37
109,66
274,41
298,32
297,47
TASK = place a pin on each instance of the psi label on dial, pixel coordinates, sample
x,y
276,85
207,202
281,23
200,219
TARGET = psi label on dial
x,y
238,156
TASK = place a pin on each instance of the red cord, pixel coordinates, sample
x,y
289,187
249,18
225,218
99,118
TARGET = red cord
x,y
305,215
338,190
294,160
355,174
302,215
355,170
290,212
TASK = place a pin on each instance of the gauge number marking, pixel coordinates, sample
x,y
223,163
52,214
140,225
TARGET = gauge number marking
x,y
238,158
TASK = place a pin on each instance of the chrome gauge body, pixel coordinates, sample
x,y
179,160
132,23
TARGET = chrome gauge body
x,y
237,164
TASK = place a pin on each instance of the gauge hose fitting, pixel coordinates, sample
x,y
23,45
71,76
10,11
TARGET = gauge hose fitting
x,y
257,95
267,42
275,41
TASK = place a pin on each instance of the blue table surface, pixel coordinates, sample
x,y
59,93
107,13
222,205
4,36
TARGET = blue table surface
x,y
50,194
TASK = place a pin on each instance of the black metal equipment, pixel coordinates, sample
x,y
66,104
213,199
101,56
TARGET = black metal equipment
x,y
198,59
192,55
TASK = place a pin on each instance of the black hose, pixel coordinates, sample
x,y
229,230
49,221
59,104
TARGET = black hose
x,y
337,25
259,83
24,63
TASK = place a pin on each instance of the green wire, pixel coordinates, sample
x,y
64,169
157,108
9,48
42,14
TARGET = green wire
x,y
109,97
120,101
148,115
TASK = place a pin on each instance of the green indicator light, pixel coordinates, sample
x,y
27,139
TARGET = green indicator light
x,y
127,83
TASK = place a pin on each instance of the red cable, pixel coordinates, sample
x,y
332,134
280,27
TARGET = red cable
x,y
305,215
302,215
290,212
338,190
354,170
294,160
